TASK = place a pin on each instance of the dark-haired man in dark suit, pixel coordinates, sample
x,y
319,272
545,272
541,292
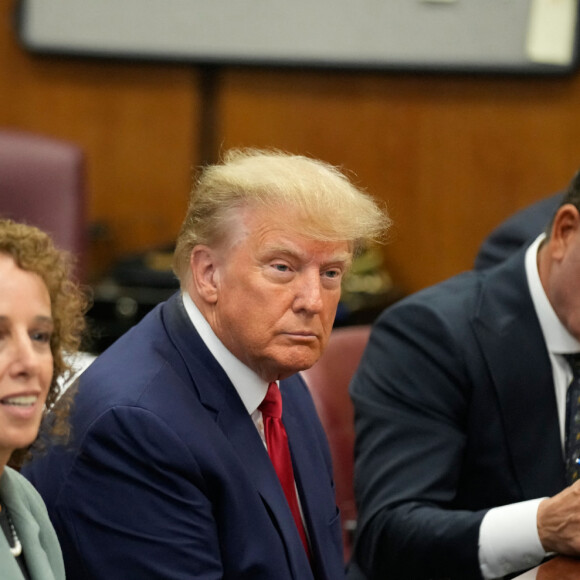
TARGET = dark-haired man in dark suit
x,y
460,406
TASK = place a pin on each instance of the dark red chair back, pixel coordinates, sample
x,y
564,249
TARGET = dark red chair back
x,y
42,183
328,381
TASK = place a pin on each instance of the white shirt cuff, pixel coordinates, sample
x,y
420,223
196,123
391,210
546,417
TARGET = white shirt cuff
x,y
508,539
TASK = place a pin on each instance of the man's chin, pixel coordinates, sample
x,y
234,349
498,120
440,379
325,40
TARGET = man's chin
x,y
293,365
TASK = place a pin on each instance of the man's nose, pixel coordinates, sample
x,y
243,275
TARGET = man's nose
x,y
309,294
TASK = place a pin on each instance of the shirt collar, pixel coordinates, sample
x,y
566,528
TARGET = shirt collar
x,y
250,387
557,337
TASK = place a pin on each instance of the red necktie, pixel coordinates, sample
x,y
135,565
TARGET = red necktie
x,y
277,443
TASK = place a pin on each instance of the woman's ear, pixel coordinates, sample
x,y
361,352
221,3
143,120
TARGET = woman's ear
x,y
203,265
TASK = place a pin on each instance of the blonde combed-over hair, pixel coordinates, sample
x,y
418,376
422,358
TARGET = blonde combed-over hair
x,y
332,208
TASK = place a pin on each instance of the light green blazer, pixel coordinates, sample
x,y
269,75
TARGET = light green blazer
x,y
39,542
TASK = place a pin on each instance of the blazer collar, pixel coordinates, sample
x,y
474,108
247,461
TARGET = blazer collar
x,y
29,533
513,346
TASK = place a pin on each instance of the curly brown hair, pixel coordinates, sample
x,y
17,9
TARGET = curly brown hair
x,y
33,250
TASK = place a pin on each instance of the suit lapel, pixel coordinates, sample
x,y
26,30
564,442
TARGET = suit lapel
x,y
512,342
28,531
9,569
239,428
221,399
314,494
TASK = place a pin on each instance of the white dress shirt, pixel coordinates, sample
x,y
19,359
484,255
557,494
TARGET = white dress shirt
x,y
250,387
508,536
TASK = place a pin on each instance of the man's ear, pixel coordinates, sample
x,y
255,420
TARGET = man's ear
x,y
565,227
203,265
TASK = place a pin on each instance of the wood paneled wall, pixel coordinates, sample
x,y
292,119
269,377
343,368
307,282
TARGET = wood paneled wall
x,y
136,123
451,155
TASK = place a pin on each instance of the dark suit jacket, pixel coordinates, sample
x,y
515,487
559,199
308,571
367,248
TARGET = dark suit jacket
x,y
455,414
518,230
167,477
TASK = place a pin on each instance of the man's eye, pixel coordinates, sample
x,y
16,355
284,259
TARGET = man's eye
x,y
332,273
281,267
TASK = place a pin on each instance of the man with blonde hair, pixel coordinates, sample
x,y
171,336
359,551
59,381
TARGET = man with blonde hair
x,y
180,466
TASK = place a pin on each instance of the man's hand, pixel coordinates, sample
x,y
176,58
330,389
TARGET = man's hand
x,y
559,522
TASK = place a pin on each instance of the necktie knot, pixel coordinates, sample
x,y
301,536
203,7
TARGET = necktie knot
x,y
573,360
271,406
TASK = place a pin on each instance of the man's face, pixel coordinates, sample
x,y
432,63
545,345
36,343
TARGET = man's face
x,y
276,293
563,282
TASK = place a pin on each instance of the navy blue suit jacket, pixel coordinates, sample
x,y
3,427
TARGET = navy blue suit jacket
x,y
167,477
455,413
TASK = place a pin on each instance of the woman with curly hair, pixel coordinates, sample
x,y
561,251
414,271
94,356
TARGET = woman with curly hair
x,y
41,323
